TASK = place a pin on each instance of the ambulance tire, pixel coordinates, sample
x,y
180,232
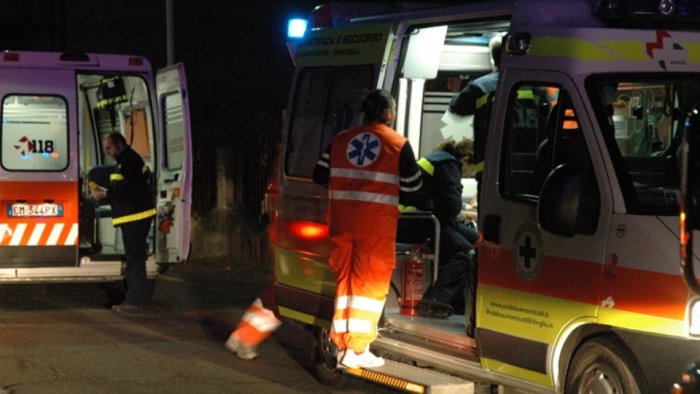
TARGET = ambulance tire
x,y
601,366
325,360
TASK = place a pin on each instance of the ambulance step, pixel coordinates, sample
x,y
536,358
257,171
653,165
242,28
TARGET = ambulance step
x,y
413,379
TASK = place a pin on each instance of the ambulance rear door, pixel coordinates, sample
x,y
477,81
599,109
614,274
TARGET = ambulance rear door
x,y
38,172
335,68
174,178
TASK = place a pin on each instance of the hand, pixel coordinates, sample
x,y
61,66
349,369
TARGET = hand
x,y
98,192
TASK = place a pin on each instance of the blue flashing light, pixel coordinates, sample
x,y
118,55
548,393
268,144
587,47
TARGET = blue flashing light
x,y
296,27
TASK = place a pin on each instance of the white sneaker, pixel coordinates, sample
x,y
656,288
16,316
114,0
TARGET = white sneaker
x,y
363,360
242,351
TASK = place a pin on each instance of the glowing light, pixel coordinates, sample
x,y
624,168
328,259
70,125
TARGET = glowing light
x,y
296,27
309,230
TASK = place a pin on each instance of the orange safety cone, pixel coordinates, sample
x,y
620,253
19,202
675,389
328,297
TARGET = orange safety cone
x,y
257,324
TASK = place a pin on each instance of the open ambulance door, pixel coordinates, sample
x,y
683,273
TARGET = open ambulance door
x,y
174,183
690,199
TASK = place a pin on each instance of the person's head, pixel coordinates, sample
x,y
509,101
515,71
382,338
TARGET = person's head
x,y
114,143
495,47
463,151
379,106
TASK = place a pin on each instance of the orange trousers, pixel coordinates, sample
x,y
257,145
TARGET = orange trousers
x,y
363,265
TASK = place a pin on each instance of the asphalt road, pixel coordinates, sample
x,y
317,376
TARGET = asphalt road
x,y
60,338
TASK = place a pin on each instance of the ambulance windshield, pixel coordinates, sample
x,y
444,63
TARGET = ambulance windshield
x,y
641,118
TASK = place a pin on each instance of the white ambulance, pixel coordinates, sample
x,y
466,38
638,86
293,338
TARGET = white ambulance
x,y
579,285
56,109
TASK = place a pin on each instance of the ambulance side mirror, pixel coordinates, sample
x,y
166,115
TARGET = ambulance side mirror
x,y
560,201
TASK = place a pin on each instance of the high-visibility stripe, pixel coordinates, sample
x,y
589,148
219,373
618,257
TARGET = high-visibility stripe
x,y
36,234
359,326
426,165
366,304
72,237
365,175
481,101
479,167
18,234
134,217
364,196
55,234
341,302
340,325
116,177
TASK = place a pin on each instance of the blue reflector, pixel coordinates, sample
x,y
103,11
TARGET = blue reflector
x,y
296,28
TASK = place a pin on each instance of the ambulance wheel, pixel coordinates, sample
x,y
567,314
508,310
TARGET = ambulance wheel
x,y
325,360
600,366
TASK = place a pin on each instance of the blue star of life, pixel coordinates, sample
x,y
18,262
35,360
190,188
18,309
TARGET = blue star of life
x,y
363,149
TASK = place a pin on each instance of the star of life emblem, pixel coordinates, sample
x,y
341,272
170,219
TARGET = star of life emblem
x,y
363,149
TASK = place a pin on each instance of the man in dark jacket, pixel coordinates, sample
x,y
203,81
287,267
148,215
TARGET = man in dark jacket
x,y
131,199
442,174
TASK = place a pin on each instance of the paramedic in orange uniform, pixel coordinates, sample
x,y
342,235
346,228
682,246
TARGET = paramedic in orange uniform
x,y
366,169
131,199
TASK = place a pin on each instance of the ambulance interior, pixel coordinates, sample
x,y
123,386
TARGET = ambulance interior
x,y
438,62
109,103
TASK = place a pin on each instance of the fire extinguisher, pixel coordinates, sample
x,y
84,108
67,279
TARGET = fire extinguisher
x,y
412,282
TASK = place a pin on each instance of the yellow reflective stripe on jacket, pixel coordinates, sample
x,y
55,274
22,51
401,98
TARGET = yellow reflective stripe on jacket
x,y
483,100
116,177
134,217
426,165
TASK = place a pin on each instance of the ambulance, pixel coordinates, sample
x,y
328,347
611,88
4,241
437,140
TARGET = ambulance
x,y
580,283
56,109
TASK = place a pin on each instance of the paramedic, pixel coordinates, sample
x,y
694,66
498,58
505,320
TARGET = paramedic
x,y
442,171
367,170
129,194
476,99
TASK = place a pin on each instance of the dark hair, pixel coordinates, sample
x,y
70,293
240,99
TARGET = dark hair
x,y
117,138
374,104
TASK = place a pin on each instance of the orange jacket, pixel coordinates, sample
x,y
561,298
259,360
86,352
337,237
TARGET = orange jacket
x,y
364,180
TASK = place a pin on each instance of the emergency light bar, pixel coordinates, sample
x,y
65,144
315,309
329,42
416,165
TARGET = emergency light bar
x,y
296,27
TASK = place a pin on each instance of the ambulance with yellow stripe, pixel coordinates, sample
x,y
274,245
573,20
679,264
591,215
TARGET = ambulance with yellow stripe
x,y
579,276
56,109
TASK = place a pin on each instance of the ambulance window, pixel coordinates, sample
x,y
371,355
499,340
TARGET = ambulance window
x,y
327,101
641,120
174,129
34,133
543,133
529,107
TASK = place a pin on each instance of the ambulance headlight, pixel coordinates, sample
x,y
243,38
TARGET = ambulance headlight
x,y
296,27
694,318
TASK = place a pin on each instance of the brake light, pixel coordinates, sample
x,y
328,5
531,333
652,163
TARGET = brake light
x,y
309,231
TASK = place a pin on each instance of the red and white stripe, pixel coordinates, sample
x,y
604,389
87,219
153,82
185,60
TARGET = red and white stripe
x,y
38,234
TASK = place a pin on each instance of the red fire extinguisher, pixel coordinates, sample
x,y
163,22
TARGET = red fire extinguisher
x,y
412,282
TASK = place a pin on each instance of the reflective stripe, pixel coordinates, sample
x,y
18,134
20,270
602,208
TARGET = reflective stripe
x,y
426,165
340,325
116,177
365,175
481,101
364,196
36,234
18,234
323,163
366,304
55,233
341,302
359,326
134,217
72,235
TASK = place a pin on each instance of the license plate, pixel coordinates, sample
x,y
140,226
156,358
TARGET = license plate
x,y
35,210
